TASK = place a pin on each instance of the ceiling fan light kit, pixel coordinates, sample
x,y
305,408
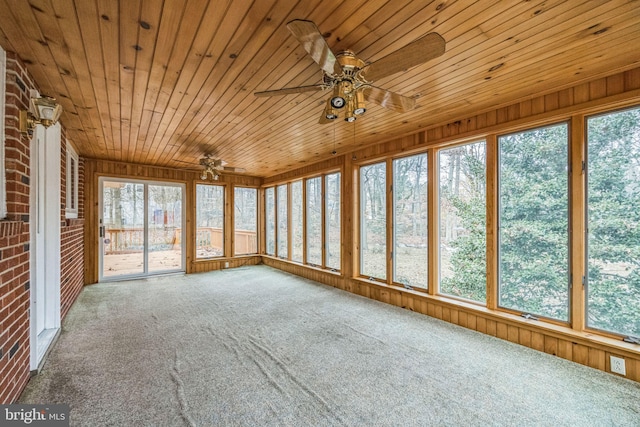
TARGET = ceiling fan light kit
x,y
213,168
350,79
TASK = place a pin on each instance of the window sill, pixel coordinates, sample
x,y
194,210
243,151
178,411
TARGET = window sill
x,y
299,264
586,337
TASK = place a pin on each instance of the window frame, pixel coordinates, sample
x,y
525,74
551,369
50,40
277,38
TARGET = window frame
x,y
326,220
273,235
320,179
498,178
304,182
224,231
72,180
393,227
438,218
585,295
257,222
302,205
282,240
385,163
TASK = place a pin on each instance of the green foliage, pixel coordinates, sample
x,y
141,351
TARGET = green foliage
x,y
533,215
613,285
462,205
533,238
468,259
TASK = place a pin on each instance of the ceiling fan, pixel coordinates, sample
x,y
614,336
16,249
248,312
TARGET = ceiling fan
x,y
351,79
213,167
210,165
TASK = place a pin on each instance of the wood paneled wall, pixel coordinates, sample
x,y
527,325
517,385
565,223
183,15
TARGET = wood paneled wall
x,y
569,104
94,169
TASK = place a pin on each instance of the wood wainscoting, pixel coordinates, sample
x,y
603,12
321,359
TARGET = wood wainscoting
x,y
580,347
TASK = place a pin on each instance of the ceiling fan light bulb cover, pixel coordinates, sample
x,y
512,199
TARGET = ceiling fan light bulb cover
x,y
337,102
360,106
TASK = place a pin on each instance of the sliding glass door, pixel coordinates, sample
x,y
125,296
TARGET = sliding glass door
x,y
140,228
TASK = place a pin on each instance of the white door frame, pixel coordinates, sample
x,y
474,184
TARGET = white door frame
x,y
44,227
145,272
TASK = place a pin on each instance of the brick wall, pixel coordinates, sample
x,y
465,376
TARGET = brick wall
x,y
71,238
15,239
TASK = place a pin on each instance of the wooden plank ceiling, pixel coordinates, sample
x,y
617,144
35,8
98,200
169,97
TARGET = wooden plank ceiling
x,y
160,82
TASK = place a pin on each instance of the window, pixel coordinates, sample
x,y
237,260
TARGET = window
x,y
314,221
410,245
245,217
282,236
461,208
332,221
209,221
373,219
533,216
3,184
613,201
270,220
72,183
296,221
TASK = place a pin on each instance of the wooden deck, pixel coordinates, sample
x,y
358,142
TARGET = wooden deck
x,y
132,263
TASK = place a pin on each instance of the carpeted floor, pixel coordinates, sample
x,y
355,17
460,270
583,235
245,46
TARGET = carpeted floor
x,y
255,346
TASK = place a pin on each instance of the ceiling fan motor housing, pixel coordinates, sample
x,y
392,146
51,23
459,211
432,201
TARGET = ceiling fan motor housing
x,y
346,87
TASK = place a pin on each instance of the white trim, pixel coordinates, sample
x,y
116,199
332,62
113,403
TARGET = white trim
x,y
45,241
3,88
71,204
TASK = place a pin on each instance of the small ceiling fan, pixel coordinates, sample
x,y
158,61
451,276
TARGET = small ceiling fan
x,y
213,167
351,79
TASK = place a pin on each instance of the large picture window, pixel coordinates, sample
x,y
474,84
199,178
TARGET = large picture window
x,y
462,207
373,220
533,218
245,218
296,221
613,209
270,221
314,221
282,206
332,221
410,250
209,221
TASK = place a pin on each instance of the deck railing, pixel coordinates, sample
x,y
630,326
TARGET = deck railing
x,y
129,240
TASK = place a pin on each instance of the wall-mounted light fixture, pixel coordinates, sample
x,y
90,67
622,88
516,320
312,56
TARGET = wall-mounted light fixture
x,y
43,110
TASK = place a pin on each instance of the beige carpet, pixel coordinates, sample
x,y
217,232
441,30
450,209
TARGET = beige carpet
x,y
255,346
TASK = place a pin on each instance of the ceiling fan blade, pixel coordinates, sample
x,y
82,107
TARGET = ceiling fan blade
x,y
289,90
391,100
417,52
232,169
312,41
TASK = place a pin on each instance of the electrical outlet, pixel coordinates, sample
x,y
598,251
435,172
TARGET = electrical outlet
x,y
226,264
617,365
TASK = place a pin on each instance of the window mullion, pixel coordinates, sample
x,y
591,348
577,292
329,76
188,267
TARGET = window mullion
x,y
577,212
